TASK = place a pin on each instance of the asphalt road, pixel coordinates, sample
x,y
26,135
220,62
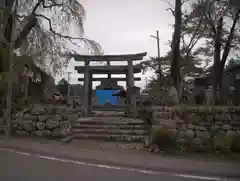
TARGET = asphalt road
x,y
26,167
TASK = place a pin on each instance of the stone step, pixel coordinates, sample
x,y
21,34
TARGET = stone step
x,y
110,126
106,113
108,120
108,108
110,131
107,117
163,115
105,137
162,108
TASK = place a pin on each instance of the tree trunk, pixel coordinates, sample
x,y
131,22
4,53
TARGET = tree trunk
x,y
217,59
175,65
32,21
226,51
9,94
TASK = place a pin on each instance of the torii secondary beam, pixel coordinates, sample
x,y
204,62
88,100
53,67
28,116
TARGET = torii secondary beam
x,y
114,79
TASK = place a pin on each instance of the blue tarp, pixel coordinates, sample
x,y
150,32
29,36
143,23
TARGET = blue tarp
x,y
105,96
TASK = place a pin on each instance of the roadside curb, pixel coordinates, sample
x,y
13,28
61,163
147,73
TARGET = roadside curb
x,y
112,163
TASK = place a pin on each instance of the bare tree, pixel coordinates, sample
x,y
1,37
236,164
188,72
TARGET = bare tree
x,y
221,35
44,28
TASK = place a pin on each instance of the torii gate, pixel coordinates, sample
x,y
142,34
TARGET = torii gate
x,y
109,69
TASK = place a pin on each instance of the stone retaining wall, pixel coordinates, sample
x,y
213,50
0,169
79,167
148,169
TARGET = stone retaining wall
x,y
198,127
51,121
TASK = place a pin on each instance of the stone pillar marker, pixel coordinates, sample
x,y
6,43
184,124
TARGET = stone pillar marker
x,y
130,92
108,65
86,86
90,93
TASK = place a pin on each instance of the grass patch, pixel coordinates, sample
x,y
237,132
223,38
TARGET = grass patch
x,y
207,109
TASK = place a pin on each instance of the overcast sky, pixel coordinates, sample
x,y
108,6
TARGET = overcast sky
x,y
125,26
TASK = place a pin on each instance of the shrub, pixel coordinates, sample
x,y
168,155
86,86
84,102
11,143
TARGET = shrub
x,y
235,147
222,142
163,138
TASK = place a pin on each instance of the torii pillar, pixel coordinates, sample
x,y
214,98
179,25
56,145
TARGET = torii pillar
x,y
131,97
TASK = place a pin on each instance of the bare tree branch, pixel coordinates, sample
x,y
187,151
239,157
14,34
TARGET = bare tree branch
x,y
56,33
37,6
211,22
49,45
95,46
194,39
169,3
172,11
54,4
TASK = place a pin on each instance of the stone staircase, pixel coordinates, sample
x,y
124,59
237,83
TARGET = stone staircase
x,y
108,127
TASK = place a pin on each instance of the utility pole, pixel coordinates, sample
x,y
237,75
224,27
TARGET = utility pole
x,y
158,48
158,42
158,45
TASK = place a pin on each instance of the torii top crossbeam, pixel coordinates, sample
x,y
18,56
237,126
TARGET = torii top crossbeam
x,y
123,57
